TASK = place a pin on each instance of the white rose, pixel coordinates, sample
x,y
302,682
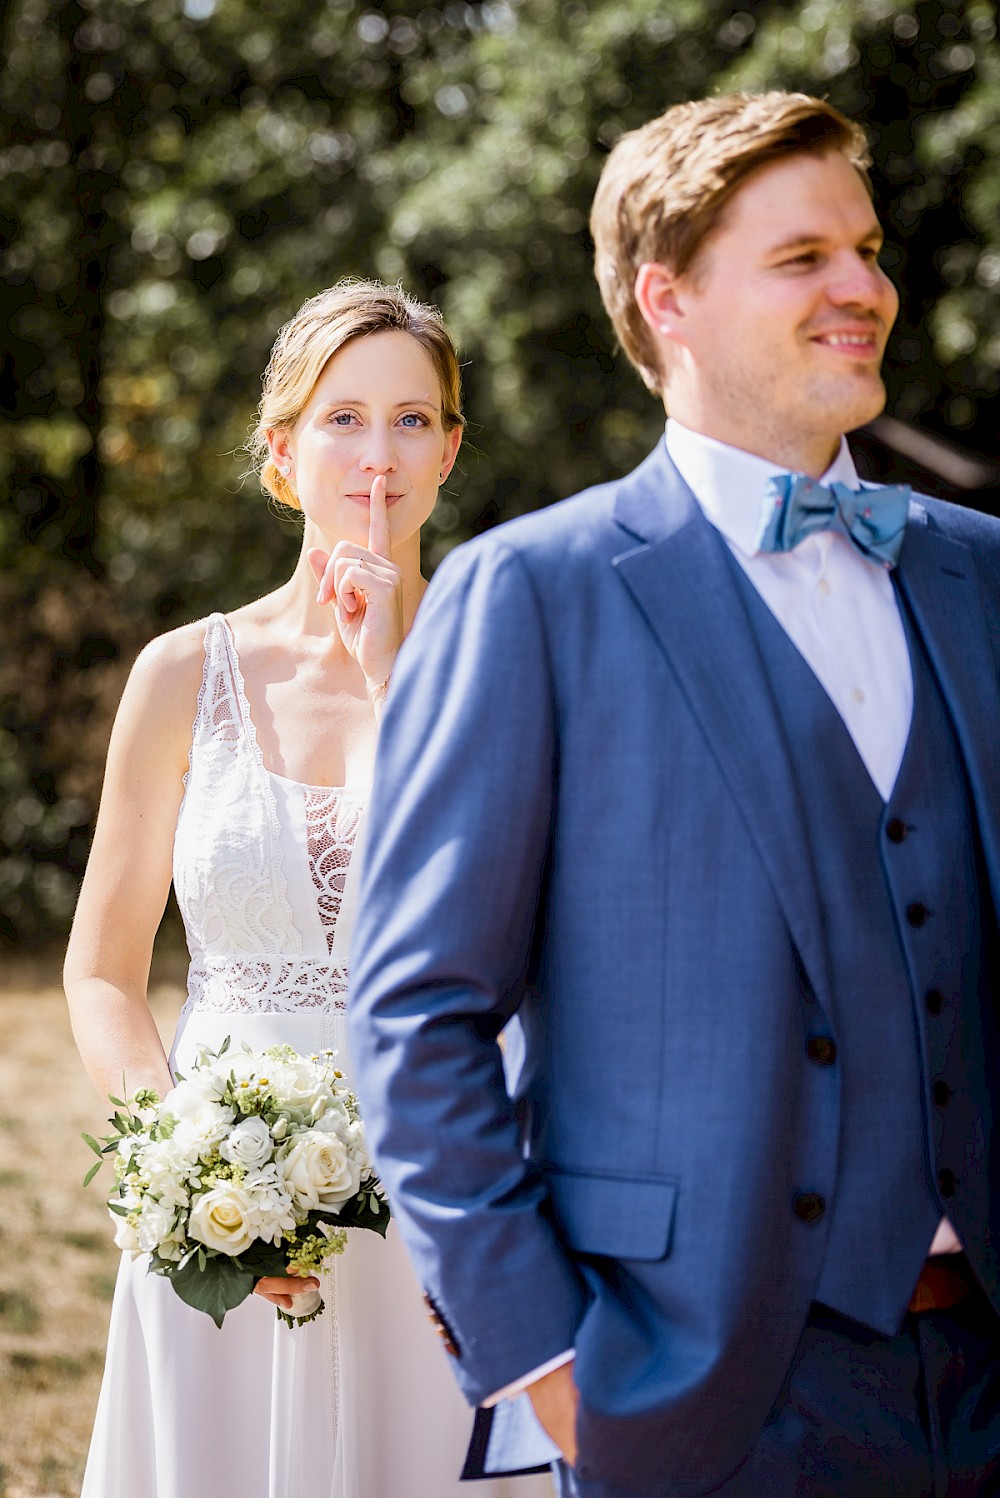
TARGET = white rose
x,y
296,1084
220,1220
155,1222
249,1144
320,1170
350,1131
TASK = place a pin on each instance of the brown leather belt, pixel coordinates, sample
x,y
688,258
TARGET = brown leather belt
x,y
944,1282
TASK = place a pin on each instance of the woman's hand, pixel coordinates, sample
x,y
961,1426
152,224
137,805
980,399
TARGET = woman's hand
x,y
279,1289
366,589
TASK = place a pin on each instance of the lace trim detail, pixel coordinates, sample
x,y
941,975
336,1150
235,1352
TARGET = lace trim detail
x,y
332,818
250,734
264,985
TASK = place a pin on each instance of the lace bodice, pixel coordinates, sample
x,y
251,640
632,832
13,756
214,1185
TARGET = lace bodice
x,y
260,862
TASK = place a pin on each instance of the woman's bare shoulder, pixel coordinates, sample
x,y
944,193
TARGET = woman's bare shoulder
x,y
166,678
174,657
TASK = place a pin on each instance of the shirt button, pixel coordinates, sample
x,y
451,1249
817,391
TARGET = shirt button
x,y
947,1182
823,586
917,913
942,1093
934,1000
895,830
809,1206
858,695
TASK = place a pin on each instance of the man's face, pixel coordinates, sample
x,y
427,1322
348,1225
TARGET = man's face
x,y
786,313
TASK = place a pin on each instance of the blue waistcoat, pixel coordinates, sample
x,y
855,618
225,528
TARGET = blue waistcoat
x,y
908,918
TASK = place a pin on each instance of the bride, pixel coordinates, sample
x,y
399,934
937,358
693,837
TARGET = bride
x,y
254,814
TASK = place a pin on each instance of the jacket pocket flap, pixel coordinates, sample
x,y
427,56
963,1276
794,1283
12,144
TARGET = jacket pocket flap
x,y
621,1219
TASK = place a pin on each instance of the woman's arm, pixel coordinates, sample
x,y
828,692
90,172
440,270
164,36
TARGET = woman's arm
x,y
128,876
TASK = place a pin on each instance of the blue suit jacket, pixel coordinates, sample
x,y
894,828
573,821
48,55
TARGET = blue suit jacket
x,y
584,815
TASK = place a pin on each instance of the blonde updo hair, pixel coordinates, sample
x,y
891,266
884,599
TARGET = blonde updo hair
x,y
322,326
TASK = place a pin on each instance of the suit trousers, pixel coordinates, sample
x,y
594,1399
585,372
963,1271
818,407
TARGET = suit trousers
x,y
862,1415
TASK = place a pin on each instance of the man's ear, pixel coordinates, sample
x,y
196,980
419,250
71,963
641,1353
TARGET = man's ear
x,y
656,296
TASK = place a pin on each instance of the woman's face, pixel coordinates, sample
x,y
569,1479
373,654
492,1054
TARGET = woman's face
x,y
375,409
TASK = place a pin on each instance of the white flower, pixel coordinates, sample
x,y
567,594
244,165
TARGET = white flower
x,y
249,1143
320,1170
170,1166
188,1100
155,1222
297,1085
220,1219
201,1121
272,1209
126,1237
174,1247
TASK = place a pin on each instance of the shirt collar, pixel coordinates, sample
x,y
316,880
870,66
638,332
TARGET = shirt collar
x,y
730,485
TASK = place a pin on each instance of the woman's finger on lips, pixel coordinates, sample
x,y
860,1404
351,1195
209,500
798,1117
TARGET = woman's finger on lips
x,y
378,518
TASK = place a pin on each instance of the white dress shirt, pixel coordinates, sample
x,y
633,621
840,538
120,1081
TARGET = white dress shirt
x,y
839,610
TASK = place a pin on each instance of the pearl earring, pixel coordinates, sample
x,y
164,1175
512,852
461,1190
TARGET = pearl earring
x,y
284,469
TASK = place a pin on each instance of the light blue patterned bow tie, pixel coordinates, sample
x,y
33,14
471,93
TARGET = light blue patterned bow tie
x,y
874,519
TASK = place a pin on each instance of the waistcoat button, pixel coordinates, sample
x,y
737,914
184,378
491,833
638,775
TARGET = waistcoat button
x,y
947,1181
917,913
942,1094
934,1000
808,1206
895,830
821,1049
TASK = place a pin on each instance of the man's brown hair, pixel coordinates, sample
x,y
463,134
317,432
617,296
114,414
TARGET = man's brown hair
x,y
665,186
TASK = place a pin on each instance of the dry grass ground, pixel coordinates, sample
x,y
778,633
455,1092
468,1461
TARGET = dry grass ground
x,y
57,1257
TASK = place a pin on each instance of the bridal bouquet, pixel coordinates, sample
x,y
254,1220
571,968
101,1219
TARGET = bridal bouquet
x,y
254,1165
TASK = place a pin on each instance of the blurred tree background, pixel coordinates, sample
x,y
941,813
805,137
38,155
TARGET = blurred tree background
x,y
176,176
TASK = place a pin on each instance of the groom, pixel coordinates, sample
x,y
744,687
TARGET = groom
x,y
697,775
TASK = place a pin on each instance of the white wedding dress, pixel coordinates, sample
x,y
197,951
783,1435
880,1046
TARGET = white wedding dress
x,y
359,1403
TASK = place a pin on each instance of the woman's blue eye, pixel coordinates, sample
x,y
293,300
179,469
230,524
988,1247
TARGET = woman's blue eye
x,y
414,417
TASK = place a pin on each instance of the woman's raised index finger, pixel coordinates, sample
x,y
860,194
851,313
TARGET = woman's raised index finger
x,y
378,519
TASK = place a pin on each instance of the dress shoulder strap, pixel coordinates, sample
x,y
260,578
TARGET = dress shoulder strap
x,y
218,717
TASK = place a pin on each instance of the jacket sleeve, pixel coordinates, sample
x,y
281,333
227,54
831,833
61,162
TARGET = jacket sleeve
x,y
458,834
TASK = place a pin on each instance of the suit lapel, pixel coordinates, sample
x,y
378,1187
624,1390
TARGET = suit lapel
x,y
680,577
939,578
